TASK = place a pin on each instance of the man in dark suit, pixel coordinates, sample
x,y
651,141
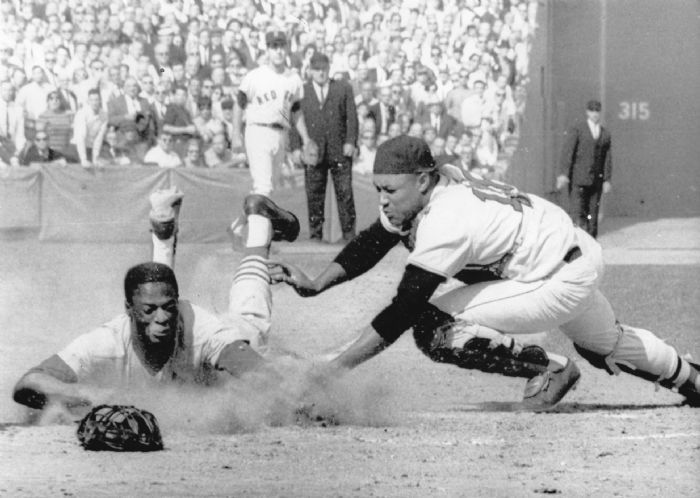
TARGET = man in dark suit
x,y
586,167
128,105
331,119
435,116
383,112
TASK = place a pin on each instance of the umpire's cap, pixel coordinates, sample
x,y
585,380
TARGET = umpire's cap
x,y
403,155
594,105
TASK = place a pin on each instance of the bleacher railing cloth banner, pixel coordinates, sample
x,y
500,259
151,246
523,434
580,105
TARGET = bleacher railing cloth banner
x,y
75,204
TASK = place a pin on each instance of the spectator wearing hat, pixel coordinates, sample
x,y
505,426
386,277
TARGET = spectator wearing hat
x,y
59,124
586,167
331,119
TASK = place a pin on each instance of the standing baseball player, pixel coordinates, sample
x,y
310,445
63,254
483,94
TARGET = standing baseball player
x,y
270,97
160,337
546,270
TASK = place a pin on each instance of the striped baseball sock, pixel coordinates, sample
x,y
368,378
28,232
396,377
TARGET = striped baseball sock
x,y
252,267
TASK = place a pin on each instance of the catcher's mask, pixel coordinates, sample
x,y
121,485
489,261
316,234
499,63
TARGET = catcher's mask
x,y
119,428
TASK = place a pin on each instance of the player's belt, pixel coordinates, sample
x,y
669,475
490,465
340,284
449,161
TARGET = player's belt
x,y
274,126
573,254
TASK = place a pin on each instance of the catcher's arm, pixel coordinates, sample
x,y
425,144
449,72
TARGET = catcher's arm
x,y
55,382
358,256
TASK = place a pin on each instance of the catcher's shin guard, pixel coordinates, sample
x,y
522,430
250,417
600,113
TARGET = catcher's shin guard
x,y
442,339
685,378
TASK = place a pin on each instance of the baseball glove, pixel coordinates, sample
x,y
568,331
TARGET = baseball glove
x,y
119,428
310,153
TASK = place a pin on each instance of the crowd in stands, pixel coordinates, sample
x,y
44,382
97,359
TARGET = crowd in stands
x,y
127,82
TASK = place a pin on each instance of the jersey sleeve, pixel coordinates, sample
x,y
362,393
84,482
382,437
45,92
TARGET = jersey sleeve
x,y
89,352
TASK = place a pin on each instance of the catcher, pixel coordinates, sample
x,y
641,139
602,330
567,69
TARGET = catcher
x,y
161,337
529,269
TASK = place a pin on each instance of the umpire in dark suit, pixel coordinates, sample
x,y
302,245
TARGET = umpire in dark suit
x,y
331,118
586,168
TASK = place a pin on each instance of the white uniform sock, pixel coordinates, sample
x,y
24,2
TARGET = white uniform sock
x,y
259,231
163,250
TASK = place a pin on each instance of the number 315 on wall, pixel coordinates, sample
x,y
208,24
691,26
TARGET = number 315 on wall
x,y
634,110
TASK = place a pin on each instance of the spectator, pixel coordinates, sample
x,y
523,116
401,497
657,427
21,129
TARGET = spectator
x,y
39,151
178,120
383,112
32,96
218,155
129,104
415,130
193,154
109,153
436,117
207,126
162,154
134,143
12,138
89,123
365,154
59,125
474,106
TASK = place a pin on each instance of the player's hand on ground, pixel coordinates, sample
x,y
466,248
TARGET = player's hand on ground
x,y
289,274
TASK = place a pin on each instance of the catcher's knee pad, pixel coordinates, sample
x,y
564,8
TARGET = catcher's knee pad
x,y
445,340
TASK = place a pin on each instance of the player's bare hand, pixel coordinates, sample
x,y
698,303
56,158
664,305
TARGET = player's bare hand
x,y
607,187
289,274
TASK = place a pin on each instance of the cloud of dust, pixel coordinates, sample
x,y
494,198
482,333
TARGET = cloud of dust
x,y
256,401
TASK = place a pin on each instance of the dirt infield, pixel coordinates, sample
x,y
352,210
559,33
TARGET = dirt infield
x,y
405,426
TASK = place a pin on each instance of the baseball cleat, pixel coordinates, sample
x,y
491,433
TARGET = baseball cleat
x,y
689,390
165,210
285,226
544,391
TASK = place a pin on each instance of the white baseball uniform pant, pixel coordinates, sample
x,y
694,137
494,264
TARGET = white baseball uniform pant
x,y
249,309
266,148
570,300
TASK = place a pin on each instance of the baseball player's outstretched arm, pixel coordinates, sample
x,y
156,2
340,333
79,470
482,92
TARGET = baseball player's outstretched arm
x,y
37,389
368,345
302,284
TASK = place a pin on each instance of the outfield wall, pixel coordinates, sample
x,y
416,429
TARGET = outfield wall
x,y
641,58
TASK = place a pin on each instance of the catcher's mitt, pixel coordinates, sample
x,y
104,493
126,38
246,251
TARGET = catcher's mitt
x,y
119,428
310,153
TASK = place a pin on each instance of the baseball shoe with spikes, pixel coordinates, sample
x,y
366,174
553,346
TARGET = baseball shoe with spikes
x,y
165,211
285,225
544,391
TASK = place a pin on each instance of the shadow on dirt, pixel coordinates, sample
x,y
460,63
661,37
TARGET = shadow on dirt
x,y
505,406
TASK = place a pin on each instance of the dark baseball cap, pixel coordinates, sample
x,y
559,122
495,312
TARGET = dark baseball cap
x,y
403,155
275,38
319,61
594,105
